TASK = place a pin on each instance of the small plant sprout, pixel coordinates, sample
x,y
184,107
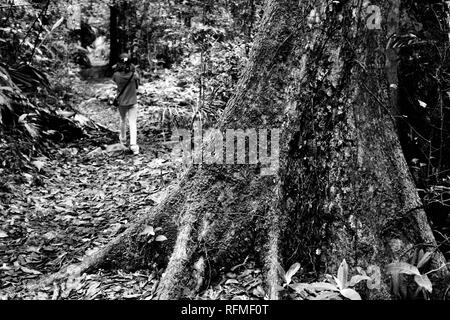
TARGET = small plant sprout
x,y
287,276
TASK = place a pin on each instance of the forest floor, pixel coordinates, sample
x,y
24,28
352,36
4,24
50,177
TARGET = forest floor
x,y
85,195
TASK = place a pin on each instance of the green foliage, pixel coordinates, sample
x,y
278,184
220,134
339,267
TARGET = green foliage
x,y
333,288
400,271
342,286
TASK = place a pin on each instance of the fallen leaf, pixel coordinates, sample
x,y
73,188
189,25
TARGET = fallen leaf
x,y
259,292
42,296
422,104
5,267
132,296
231,281
148,231
50,235
30,271
56,291
38,164
93,289
161,238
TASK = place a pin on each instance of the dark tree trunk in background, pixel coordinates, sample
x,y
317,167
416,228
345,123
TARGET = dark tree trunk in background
x,y
128,24
343,191
113,31
123,29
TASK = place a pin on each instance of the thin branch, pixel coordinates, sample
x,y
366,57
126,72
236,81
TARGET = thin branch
x,y
436,270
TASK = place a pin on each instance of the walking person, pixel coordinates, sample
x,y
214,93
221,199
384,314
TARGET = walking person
x,y
127,79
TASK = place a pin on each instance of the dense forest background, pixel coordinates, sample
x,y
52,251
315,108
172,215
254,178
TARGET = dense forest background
x,y
55,58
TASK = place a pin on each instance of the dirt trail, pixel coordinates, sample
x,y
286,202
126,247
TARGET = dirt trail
x,y
82,198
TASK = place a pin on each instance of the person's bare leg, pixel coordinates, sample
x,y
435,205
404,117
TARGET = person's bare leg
x,y
123,126
132,117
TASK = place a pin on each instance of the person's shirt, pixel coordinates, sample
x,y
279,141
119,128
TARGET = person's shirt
x,y
129,95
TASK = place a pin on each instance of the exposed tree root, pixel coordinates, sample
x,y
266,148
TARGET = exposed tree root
x,y
272,262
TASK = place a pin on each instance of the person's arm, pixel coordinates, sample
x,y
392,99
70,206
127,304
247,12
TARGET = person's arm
x,y
137,79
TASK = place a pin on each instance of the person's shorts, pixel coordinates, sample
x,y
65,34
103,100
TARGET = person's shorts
x,y
124,109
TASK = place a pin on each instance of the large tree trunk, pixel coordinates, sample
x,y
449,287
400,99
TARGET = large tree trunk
x,y
343,190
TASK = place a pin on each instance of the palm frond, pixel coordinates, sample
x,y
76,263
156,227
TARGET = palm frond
x,y
28,77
